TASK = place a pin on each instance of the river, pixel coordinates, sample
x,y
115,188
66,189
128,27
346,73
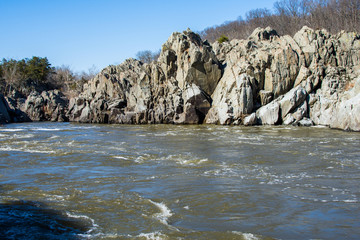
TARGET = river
x,y
84,181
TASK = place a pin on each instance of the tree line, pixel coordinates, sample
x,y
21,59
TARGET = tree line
x,y
26,75
289,16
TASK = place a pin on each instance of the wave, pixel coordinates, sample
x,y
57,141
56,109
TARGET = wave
x,y
46,129
11,129
93,227
164,215
246,236
7,148
152,236
120,157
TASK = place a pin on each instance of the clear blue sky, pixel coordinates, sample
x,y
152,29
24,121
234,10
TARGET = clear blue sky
x,y
87,33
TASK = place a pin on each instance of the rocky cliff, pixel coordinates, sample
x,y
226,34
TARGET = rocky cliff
x,y
310,78
175,89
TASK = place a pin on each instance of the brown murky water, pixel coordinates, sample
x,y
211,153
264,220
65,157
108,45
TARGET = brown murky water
x,y
74,181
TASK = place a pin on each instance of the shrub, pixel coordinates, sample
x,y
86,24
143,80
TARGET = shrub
x,y
223,38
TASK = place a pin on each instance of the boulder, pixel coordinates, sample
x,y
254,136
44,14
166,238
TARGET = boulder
x,y
250,120
306,122
268,114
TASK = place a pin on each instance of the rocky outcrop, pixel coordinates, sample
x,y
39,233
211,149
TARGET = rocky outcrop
x,y
300,80
337,108
310,78
47,106
232,99
175,89
265,79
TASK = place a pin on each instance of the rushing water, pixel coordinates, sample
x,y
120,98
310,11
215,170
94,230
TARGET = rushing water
x,y
74,181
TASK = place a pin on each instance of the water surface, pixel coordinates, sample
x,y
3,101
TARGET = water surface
x,y
76,181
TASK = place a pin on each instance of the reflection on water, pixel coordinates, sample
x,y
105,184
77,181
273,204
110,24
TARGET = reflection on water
x,y
32,220
172,182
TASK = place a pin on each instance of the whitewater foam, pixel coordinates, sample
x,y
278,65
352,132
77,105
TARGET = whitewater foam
x,y
11,129
164,215
93,227
246,236
152,236
120,157
46,129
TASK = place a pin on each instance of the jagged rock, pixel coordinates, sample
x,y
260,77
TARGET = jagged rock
x,y
260,34
303,74
291,100
176,89
232,99
47,106
312,77
4,114
301,111
296,116
345,109
197,105
190,60
266,97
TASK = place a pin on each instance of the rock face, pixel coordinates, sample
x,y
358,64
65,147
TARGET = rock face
x,y
47,106
310,78
232,99
176,89
4,114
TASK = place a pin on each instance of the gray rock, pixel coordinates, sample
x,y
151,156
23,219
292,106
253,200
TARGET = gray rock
x,y
4,114
269,114
283,79
250,120
266,97
291,100
47,106
289,119
306,122
176,89
232,99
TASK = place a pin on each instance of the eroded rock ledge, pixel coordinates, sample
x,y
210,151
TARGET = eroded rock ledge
x,y
310,78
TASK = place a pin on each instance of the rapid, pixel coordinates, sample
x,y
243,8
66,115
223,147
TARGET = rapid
x,y
84,181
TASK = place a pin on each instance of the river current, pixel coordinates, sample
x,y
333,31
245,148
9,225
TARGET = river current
x,y
77,181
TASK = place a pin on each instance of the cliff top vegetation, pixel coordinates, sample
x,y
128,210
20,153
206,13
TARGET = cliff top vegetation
x,y
289,16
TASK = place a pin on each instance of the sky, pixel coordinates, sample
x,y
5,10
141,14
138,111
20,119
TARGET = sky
x,y
92,34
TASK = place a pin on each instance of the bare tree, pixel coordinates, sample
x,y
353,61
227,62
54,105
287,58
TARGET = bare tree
x,y
289,16
147,56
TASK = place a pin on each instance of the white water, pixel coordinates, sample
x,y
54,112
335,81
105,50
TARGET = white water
x,y
181,182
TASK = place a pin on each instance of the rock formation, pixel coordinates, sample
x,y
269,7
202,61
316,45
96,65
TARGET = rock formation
x,y
175,89
4,110
47,106
311,78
